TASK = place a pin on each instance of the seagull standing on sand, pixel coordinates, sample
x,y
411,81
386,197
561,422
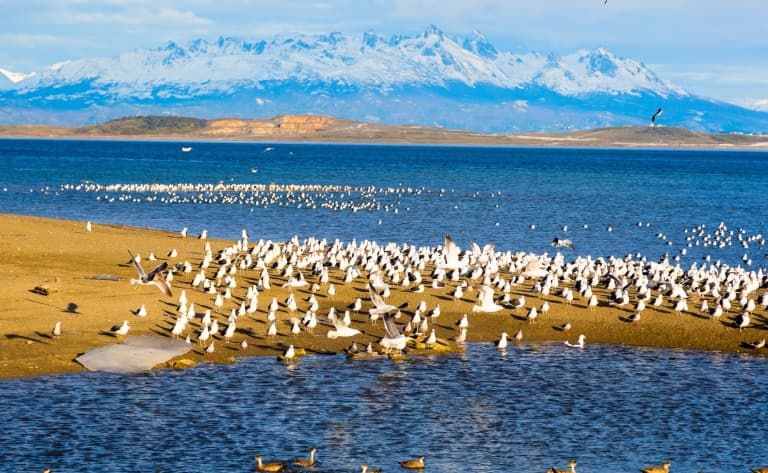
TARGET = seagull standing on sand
x,y
122,330
153,277
487,304
56,332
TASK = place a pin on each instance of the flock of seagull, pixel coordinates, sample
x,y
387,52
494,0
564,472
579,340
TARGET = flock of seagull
x,y
311,196
231,284
492,276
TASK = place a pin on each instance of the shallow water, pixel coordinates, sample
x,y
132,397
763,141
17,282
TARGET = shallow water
x,y
533,407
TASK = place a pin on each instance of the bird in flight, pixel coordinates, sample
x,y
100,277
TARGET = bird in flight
x,y
653,118
153,277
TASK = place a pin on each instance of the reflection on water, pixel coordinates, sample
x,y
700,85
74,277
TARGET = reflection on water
x,y
533,407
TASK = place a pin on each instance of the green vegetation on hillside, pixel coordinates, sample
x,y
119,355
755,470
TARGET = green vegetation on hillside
x,y
145,125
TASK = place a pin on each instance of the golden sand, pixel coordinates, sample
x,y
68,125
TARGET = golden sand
x,y
55,270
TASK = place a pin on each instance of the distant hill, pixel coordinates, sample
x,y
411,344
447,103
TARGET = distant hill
x,y
320,128
431,79
150,125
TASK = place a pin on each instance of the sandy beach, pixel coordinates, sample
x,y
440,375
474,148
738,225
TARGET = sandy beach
x,y
56,270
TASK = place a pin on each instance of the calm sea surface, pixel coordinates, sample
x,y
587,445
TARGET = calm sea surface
x,y
537,406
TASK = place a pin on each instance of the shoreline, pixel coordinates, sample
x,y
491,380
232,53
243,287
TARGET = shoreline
x,y
333,130
87,274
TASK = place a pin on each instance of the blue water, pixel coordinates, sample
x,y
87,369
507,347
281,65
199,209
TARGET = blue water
x,y
482,194
612,408
537,406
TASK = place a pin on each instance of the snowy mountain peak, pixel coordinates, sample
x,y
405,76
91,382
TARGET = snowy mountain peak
x,y
15,77
366,76
480,46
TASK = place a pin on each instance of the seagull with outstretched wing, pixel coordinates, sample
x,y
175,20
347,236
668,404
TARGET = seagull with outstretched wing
x,y
393,339
153,277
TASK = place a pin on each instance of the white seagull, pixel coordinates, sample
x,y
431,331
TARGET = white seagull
x,y
341,329
393,339
487,304
502,343
380,306
578,344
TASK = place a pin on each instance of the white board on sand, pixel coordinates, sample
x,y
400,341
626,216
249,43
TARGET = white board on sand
x,y
137,353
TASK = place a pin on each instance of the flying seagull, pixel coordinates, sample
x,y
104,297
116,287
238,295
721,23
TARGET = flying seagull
x,y
560,242
153,277
653,118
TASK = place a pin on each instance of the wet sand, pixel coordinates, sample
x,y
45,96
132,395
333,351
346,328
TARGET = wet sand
x,y
86,275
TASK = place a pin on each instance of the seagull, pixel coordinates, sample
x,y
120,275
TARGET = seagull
x,y
758,344
485,296
655,115
451,255
416,464
501,344
578,344
56,332
271,466
153,277
463,322
341,329
307,461
431,340
393,339
563,242
289,354
519,336
744,321
664,468
380,306
532,314
122,330
272,330
461,337
211,348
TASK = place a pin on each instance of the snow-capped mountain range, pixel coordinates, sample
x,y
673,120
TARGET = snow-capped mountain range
x,y
430,79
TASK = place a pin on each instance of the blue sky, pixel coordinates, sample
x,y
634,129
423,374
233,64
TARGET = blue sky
x,y
714,48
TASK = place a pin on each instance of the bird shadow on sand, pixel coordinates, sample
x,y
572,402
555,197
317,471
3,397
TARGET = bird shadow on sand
x,y
14,336
71,308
